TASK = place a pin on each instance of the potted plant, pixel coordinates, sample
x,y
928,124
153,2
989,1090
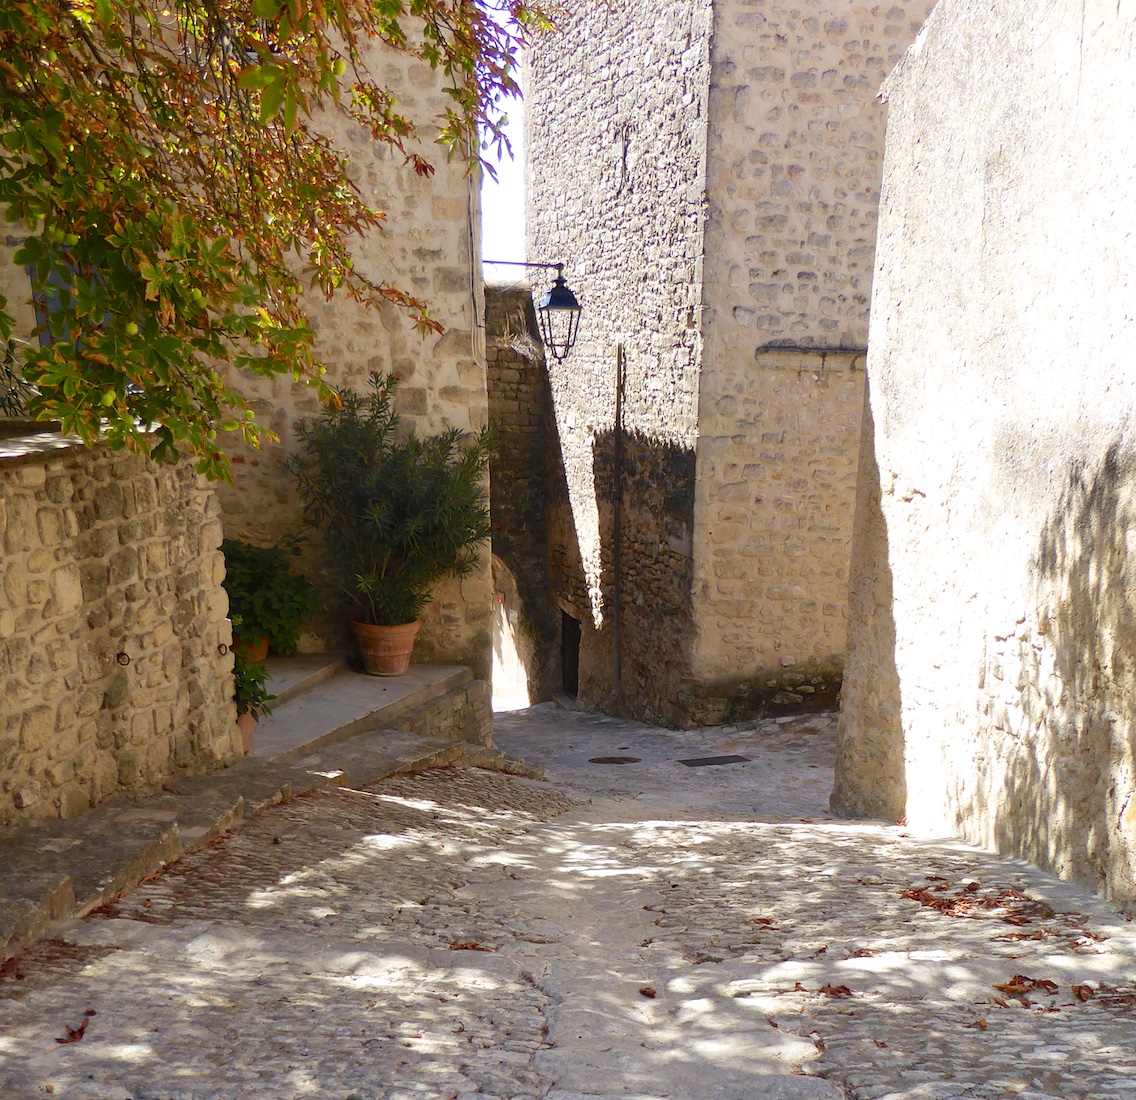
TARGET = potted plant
x,y
397,515
251,694
267,603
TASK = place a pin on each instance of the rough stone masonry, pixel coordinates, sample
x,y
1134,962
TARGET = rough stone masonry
x,y
114,639
718,223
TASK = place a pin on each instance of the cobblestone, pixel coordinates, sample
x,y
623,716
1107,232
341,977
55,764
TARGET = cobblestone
x,y
643,931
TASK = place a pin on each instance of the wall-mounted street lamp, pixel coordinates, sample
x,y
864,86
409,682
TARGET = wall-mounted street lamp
x,y
558,311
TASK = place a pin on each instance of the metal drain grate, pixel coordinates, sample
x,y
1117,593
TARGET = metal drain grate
x,y
708,761
614,760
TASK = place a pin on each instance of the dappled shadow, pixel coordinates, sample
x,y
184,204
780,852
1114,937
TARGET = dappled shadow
x,y
1059,689
461,931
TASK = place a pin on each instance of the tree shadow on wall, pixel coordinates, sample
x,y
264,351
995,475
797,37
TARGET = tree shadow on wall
x,y
1066,726
870,744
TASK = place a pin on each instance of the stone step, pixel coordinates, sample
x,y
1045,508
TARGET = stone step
x,y
347,704
366,758
329,727
64,869
292,676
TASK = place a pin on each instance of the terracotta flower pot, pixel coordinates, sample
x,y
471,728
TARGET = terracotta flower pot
x,y
253,652
246,723
385,649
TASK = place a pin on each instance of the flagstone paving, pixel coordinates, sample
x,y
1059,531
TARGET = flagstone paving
x,y
643,930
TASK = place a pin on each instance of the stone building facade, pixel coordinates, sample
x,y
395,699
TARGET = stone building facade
x,y
708,170
429,246
114,659
991,682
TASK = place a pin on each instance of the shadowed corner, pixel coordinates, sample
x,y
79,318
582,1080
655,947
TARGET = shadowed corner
x,y
526,646
641,654
870,743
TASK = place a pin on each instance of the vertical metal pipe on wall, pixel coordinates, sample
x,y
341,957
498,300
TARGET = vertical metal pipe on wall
x,y
617,526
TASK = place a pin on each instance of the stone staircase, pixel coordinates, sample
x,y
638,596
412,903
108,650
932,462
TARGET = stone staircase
x,y
324,710
329,727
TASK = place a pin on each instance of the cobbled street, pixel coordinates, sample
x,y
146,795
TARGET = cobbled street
x,y
636,930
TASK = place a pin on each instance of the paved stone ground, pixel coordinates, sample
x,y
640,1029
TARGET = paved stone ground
x,y
646,930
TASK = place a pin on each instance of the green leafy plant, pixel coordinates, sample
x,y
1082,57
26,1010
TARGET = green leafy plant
x,y
398,516
250,686
177,202
264,595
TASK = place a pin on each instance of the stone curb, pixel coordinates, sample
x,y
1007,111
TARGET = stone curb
x,y
62,870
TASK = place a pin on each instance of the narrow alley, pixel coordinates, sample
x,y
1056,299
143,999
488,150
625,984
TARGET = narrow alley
x,y
647,929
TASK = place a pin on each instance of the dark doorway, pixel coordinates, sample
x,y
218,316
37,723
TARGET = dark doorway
x,y
570,653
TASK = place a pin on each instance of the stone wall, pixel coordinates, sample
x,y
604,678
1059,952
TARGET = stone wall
x,y
793,176
429,247
616,143
720,227
463,713
520,415
994,693
112,626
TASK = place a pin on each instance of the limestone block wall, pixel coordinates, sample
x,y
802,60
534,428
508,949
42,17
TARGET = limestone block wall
x,y
520,414
793,177
994,693
113,632
429,246
616,146
718,221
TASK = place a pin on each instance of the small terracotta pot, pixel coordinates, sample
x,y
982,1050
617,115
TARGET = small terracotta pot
x,y
246,723
385,649
255,653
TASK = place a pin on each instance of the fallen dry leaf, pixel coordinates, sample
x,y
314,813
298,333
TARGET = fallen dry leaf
x,y
835,990
1083,992
773,1023
470,945
1021,984
74,1034
979,1025
647,991
880,1043
999,1001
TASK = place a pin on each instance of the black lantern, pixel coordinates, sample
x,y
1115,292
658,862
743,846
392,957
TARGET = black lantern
x,y
558,311
559,315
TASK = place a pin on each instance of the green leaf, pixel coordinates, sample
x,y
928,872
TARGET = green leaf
x,y
267,9
271,98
